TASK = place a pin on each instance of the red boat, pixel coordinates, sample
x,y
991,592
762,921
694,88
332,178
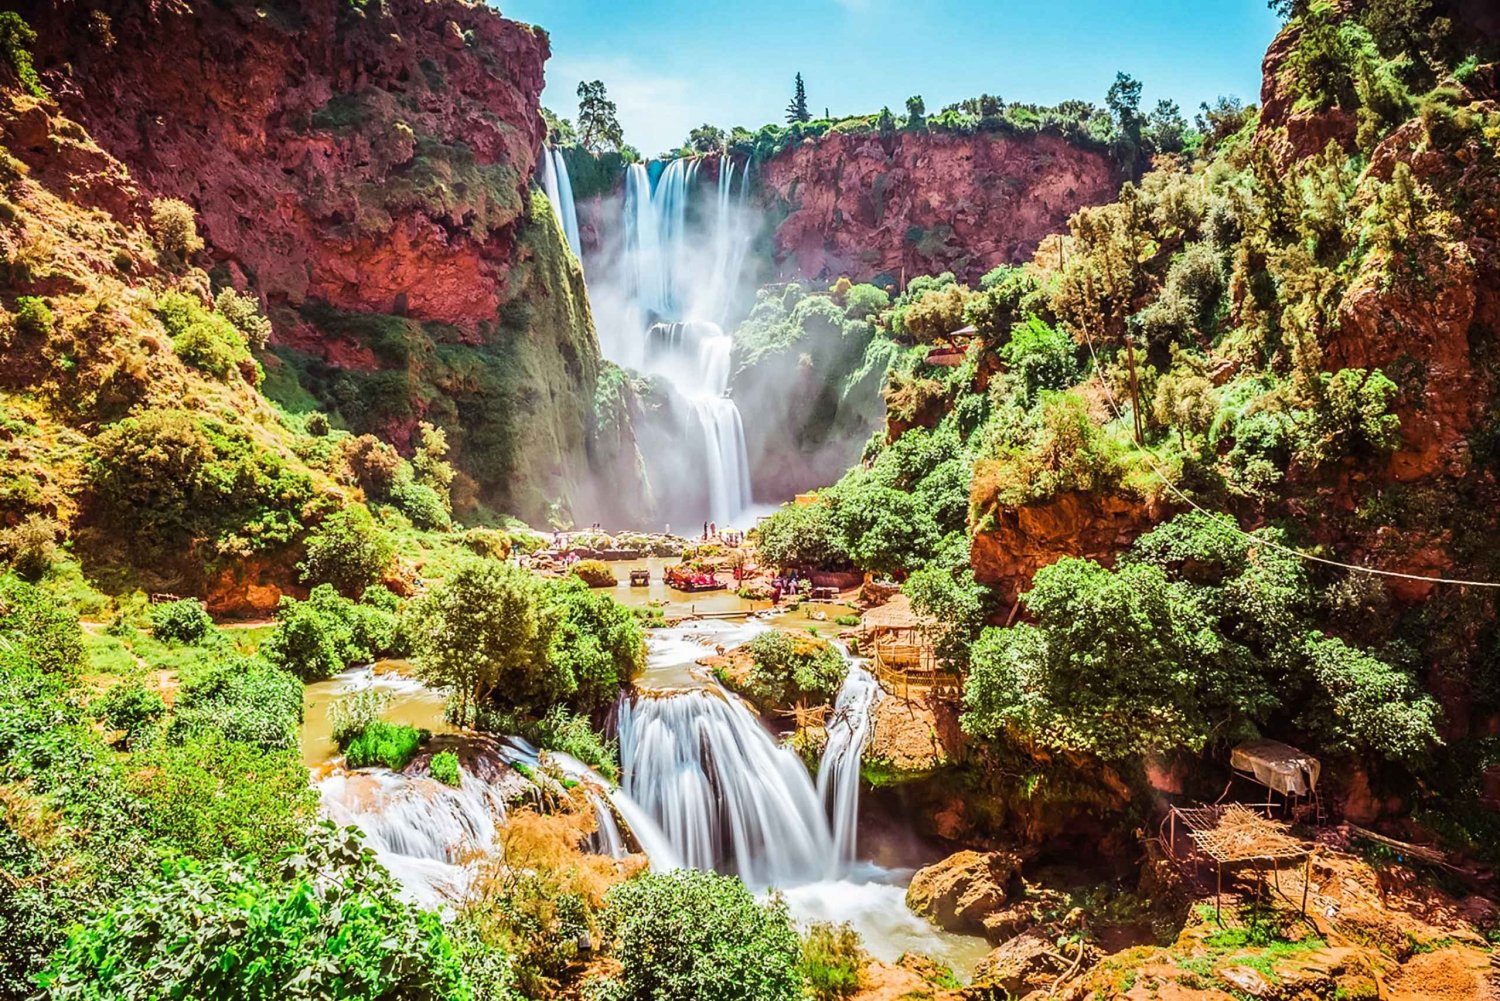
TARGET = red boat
x,y
683,579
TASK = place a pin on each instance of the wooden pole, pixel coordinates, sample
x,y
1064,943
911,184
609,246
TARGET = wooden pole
x,y
1135,391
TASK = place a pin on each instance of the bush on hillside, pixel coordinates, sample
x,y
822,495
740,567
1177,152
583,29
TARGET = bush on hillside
x,y
349,551
36,631
185,621
175,227
30,548
491,543
243,699
131,708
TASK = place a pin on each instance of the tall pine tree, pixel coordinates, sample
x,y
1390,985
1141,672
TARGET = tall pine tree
x,y
797,110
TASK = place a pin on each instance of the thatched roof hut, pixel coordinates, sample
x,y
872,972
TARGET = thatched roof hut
x,y
895,617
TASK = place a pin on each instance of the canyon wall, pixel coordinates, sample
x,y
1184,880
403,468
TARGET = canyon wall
x,y
364,169
923,203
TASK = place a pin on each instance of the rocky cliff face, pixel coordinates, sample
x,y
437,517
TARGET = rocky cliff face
x,y
861,206
364,169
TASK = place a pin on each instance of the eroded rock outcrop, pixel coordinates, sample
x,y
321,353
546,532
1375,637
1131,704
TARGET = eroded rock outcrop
x,y
963,890
920,203
365,171
1018,541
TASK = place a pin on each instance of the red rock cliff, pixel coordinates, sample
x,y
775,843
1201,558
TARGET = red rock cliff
x,y
375,159
933,203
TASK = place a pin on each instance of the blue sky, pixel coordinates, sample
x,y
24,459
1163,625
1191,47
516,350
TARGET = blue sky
x,y
671,65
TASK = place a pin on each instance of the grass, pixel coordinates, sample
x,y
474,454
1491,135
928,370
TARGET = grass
x,y
391,745
444,768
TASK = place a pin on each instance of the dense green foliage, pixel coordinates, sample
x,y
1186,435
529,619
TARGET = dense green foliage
x,y
390,745
1201,634
445,768
492,630
185,621
790,670
321,636
324,922
831,961
699,936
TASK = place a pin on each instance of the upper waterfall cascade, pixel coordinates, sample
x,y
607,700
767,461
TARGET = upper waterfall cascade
x,y
662,289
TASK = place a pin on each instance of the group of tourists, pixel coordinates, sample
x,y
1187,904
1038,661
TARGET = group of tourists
x,y
729,537
789,584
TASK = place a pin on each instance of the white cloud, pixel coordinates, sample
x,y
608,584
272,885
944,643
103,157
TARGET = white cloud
x,y
656,110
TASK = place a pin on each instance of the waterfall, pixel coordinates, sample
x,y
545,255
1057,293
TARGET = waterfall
x,y
559,189
682,265
725,794
838,773
419,828
728,797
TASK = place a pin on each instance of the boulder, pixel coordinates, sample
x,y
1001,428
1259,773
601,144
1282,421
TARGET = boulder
x,y
1019,966
961,891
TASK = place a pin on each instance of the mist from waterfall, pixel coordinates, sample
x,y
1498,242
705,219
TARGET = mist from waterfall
x,y
663,283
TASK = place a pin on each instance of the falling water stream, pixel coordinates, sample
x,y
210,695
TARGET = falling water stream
x,y
704,785
662,289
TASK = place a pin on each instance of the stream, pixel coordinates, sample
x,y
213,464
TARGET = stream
x,y
705,784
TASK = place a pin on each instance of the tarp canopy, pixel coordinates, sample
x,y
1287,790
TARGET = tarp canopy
x,y
1277,766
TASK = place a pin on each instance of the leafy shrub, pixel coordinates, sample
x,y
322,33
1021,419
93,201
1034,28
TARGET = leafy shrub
x,y
349,551
598,647
184,621
444,768
422,504
354,714
244,312
204,339
699,936
16,40
174,225
36,630
1352,418
30,548
33,317
1043,357
832,961
864,302
242,698
132,708
788,669
491,543
594,573
210,796
374,464
572,733
321,636
392,745
326,923
169,477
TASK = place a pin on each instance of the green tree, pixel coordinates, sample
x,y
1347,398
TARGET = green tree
x,y
349,551
804,536
1166,129
699,936
706,139
1118,663
560,131
916,112
597,648
1124,102
598,124
797,111
487,628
